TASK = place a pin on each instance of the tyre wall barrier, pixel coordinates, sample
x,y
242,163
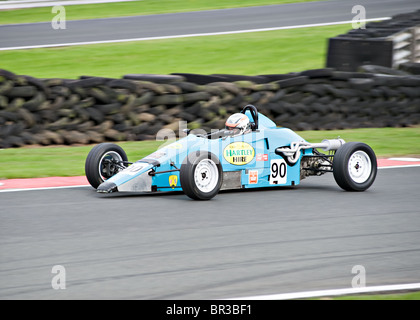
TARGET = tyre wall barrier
x,y
136,107
387,43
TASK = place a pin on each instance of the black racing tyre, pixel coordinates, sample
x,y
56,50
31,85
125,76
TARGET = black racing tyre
x,y
235,77
22,92
410,67
37,83
201,175
346,75
381,70
124,84
318,73
100,162
277,77
355,166
88,82
96,115
7,74
155,78
200,79
292,82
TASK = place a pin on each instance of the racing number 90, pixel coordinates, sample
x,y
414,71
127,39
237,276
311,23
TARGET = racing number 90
x,y
278,168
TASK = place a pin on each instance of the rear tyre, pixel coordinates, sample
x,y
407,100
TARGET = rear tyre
x,y
102,163
201,175
355,166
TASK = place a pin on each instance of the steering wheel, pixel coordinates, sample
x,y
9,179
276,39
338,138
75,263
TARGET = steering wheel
x,y
254,114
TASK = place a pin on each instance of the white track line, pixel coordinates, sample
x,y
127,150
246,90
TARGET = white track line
x,y
399,167
189,35
405,159
333,292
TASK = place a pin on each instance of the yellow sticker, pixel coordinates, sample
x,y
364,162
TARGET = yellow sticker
x,y
239,153
173,181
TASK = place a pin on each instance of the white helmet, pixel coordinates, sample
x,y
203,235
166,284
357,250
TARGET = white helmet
x,y
238,122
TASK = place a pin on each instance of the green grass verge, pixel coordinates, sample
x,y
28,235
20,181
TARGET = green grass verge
x,y
121,9
396,296
279,51
31,162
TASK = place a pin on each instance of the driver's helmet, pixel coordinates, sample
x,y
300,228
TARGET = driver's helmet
x,y
238,123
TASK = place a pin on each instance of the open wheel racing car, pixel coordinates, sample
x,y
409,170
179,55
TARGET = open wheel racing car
x,y
200,165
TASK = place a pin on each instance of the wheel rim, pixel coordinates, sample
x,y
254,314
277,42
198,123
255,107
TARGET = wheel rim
x,y
206,175
107,165
360,167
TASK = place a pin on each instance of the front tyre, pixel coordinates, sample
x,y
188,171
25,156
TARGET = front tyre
x,y
104,161
201,175
355,166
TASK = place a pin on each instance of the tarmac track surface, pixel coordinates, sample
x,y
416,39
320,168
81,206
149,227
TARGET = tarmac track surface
x,y
213,21
241,243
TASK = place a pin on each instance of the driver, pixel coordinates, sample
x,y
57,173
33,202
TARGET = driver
x,y
238,123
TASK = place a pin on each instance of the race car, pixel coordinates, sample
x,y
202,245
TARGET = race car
x,y
250,152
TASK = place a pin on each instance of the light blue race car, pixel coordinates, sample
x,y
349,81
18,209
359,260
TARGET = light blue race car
x,y
257,154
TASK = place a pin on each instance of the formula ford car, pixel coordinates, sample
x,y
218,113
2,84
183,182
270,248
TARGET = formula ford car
x,y
201,165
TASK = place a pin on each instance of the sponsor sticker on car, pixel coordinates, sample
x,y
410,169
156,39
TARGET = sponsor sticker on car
x,y
239,153
173,181
262,157
253,176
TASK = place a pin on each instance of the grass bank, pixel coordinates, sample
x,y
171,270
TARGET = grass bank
x,y
266,52
395,296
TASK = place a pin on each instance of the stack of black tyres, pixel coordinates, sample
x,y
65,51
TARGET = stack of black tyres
x,y
137,106
370,45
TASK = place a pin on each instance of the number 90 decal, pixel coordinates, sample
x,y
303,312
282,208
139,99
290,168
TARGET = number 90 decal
x,y
278,171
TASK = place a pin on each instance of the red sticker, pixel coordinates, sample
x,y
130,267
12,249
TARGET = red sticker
x,y
262,157
253,177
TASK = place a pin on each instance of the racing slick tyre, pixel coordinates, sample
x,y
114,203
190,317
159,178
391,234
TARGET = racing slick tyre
x,y
102,162
201,175
355,166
